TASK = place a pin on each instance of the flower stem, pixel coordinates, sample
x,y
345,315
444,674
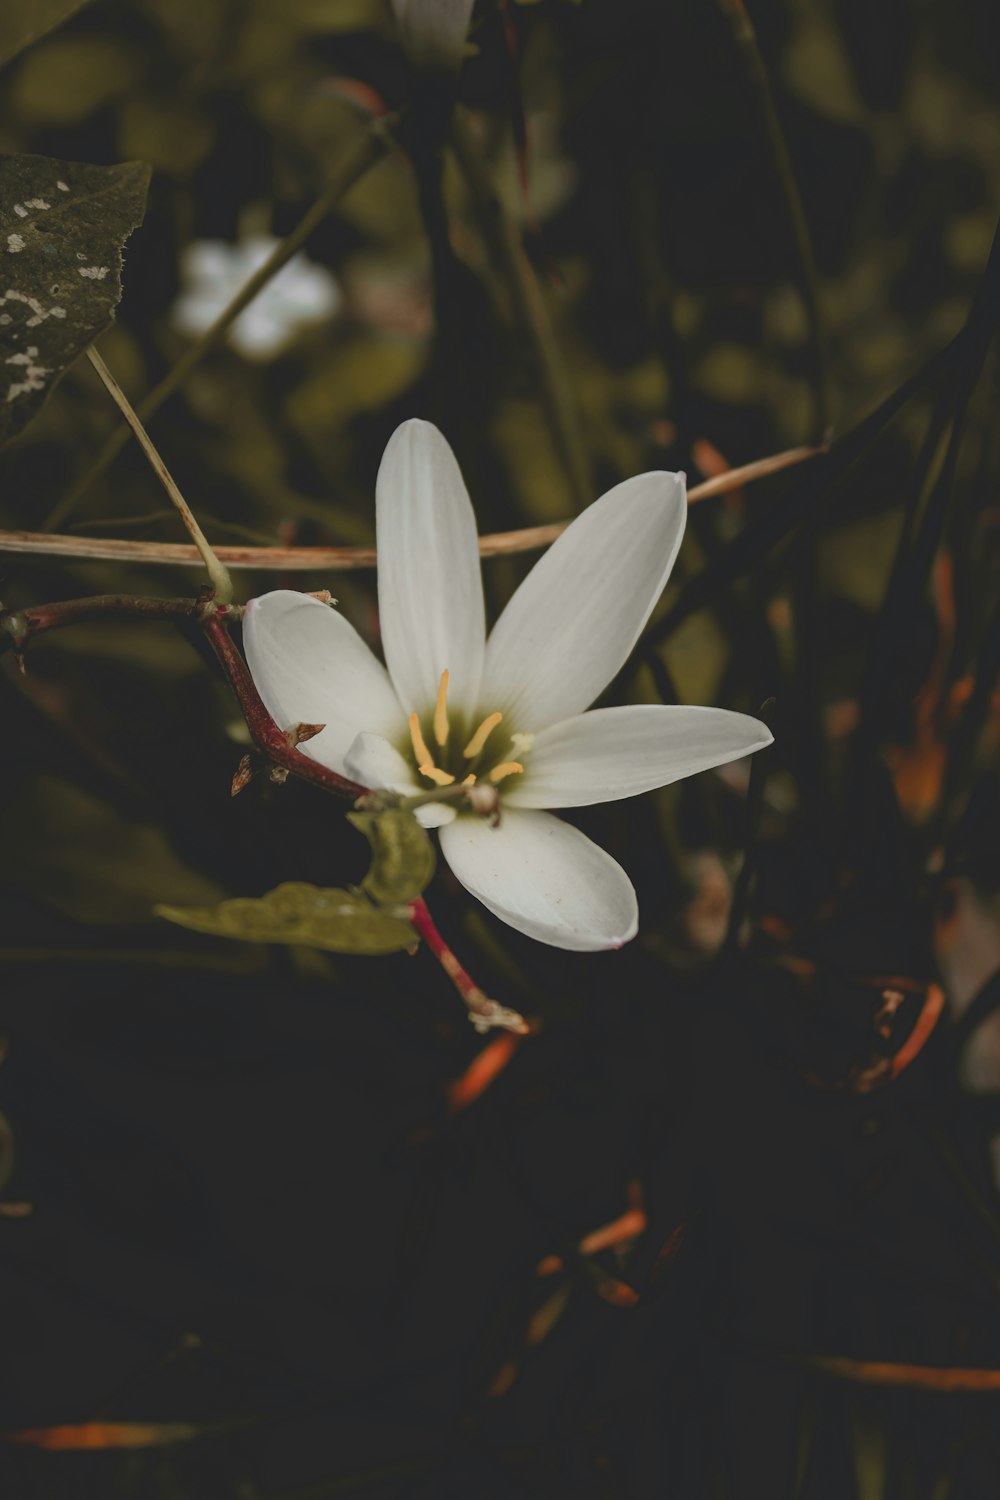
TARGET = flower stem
x,y
217,571
362,154
484,1013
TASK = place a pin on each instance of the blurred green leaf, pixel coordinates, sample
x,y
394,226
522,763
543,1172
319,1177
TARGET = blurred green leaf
x,y
172,136
402,855
62,226
69,78
338,921
24,21
361,376
71,851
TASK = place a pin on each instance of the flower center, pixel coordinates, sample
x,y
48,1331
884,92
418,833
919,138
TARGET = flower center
x,y
475,753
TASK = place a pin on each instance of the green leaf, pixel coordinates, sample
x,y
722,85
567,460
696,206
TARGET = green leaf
x,y
62,226
402,855
24,21
338,921
67,79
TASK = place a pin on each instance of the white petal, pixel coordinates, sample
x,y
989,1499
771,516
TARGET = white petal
x,y
433,31
209,261
435,814
579,612
311,667
374,762
545,878
258,332
430,589
618,752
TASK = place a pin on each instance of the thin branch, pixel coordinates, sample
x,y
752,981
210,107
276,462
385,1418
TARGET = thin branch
x,y
362,154
340,559
915,1377
504,242
18,627
217,572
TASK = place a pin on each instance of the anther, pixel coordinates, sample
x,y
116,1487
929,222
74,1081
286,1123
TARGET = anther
x,y
508,768
439,777
470,780
420,750
441,712
481,735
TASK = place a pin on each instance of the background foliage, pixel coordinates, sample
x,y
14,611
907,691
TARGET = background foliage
x,y
260,1211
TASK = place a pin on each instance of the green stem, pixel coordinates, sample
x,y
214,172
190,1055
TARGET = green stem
x,y
504,243
362,154
218,572
745,37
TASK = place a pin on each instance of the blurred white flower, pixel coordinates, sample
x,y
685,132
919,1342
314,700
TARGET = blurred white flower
x,y
432,715
213,271
433,31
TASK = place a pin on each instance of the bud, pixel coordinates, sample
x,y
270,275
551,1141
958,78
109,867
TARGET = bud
x,y
433,32
484,801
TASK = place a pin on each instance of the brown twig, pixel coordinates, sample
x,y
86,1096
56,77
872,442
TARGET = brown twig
x,y
327,559
18,627
916,1377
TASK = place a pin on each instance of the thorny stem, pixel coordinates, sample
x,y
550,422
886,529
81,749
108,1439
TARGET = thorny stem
x,y
363,154
217,572
315,559
484,1013
745,37
505,246
269,738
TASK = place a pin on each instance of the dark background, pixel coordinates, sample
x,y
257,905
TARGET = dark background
x,y
249,1208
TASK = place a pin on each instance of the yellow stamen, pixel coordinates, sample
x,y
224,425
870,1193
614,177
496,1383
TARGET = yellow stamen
x,y
441,711
481,735
469,781
508,768
420,750
439,777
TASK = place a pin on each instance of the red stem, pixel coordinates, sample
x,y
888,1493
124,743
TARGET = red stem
x,y
266,734
484,1012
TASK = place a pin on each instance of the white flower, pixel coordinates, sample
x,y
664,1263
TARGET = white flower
x,y
213,272
433,31
451,705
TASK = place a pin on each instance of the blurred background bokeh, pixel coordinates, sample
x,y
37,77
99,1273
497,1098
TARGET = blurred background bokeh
x,y
656,236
